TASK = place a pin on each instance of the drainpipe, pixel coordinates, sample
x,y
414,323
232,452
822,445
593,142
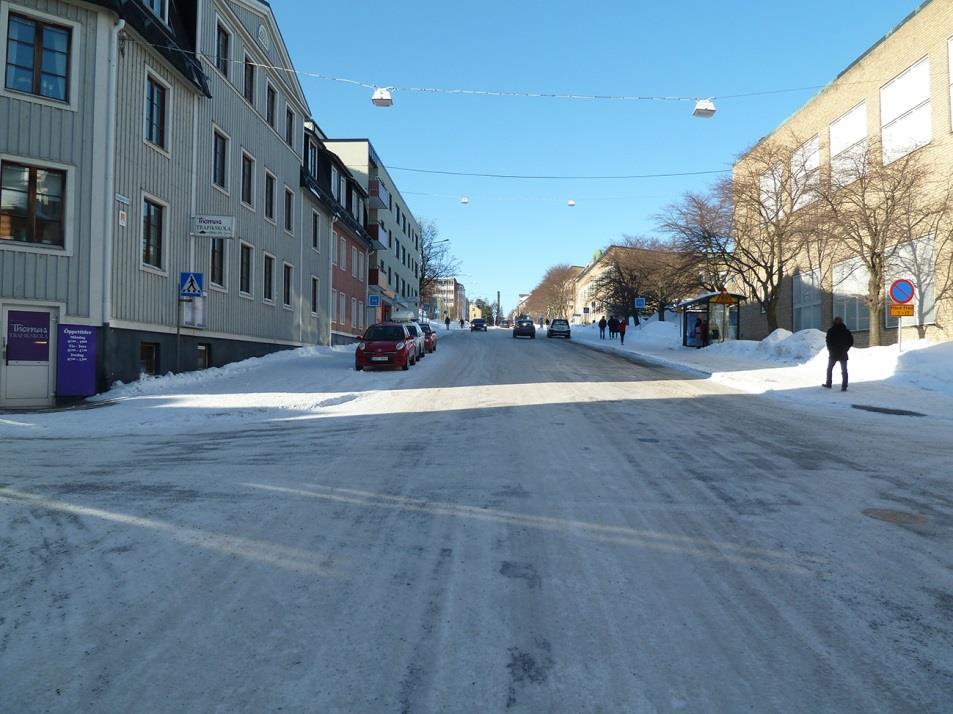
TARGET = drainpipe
x,y
111,100
332,246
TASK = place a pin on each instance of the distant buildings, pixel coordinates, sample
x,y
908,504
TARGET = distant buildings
x,y
452,295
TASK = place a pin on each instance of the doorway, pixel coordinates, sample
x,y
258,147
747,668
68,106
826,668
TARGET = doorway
x,y
28,365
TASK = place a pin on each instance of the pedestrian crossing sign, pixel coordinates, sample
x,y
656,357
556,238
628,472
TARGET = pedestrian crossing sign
x,y
191,284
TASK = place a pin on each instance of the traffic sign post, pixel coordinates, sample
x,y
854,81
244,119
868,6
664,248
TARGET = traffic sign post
x,y
639,303
901,292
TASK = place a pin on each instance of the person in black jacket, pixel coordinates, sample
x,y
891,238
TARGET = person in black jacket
x,y
839,341
602,328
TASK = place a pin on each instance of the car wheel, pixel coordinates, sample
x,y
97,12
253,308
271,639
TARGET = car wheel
x,y
406,365
532,337
357,368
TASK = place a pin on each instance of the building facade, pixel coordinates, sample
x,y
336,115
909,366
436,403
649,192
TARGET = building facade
x,y
896,96
453,296
155,114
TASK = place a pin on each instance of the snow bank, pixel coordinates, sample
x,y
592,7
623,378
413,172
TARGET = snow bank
x,y
798,347
926,366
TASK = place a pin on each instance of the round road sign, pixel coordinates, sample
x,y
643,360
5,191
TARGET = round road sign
x,y
901,291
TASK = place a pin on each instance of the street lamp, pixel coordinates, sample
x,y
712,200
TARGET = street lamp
x,y
704,109
381,97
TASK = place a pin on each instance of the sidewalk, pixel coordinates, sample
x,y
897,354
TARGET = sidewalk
x,y
792,367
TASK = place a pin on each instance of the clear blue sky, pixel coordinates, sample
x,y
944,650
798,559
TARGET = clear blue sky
x,y
512,230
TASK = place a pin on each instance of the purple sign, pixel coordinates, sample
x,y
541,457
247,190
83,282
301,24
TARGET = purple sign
x,y
28,336
76,361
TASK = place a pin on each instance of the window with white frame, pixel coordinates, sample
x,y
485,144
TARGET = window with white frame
x,y
287,277
770,188
248,88
217,262
850,292
361,319
315,294
271,104
915,262
152,232
353,312
342,189
807,300
268,279
220,159
289,127
342,308
342,252
157,94
248,179
223,39
289,210
848,144
806,172
32,204
38,58
334,184
270,183
354,265
159,9
316,231
244,269
312,159
334,302
905,119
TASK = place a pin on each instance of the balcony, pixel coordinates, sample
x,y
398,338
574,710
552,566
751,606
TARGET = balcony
x,y
380,236
378,195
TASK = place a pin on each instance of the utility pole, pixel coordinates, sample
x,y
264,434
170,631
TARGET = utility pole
x,y
499,308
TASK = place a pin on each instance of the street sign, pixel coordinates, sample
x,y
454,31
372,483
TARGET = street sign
x,y
191,285
585,310
373,300
639,303
902,291
426,308
901,311
213,226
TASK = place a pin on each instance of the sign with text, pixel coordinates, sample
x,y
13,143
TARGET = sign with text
x,y
76,361
902,311
213,226
28,336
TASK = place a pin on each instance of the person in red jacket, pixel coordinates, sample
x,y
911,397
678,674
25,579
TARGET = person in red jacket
x,y
623,323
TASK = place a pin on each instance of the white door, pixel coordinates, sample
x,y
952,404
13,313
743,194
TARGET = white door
x,y
28,365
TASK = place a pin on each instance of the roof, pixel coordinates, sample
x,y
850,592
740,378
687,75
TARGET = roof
x,y
706,298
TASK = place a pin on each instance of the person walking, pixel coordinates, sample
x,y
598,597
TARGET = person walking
x,y
447,322
602,328
839,341
622,325
613,327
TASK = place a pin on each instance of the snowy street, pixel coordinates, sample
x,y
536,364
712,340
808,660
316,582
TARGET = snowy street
x,y
530,525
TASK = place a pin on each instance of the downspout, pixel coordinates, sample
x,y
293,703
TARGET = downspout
x,y
111,99
332,246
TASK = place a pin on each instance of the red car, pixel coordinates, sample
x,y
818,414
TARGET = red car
x,y
430,337
385,344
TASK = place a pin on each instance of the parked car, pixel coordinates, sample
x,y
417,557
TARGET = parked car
x,y
507,324
430,337
418,336
477,324
385,344
524,328
558,328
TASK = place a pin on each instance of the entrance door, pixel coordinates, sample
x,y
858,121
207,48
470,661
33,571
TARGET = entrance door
x,y
27,370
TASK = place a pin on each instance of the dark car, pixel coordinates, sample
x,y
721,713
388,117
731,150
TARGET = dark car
x,y
506,324
385,344
478,324
430,337
558,328
524,328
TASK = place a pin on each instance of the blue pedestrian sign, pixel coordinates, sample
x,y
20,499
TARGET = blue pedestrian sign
x,y
191,284
640,303
373,300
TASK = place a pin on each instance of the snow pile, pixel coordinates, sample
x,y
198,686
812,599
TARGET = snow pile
x,y
660,333
799,347
187,381
927,366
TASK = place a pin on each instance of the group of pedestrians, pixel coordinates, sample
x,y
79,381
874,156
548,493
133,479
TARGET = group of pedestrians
x,y
616,328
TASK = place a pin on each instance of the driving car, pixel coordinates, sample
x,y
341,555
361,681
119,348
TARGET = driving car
x,y
506,324
524,328
385,344
477,324
558,328
418,337
430,337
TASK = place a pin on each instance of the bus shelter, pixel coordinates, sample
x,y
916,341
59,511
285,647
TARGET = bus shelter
x,y
710,318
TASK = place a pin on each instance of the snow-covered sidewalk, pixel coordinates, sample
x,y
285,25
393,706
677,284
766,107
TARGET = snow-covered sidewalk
x,y
792,366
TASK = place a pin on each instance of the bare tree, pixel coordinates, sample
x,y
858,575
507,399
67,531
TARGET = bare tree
x,y
876,213
553,296
436,262
700,224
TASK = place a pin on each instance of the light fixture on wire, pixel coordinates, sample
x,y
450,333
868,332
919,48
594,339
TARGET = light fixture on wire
x,y
704,109
570,203
464,200
381,97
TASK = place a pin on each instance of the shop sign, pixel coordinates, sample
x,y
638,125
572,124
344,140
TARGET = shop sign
x,y
76,361
28,336
213,226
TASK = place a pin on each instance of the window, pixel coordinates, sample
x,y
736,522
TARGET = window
x,y
287,275
361,272
289,127
315,294
334,302
244,269
850,291
203,355
248,179
360,315
269,197
807,300
217,265
270,102
289,210
155,112
316,230
914,261
342,308
38,58
353,312
848,137
268,279
333,247
312,159
334,184
342,253
342,189
248,89
905,119
158,8
805,172
222,40
151,233
31,204
353,261
220,160
149,357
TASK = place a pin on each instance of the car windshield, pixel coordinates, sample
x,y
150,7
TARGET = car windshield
x,y
427,329
560,322
412,329
384,333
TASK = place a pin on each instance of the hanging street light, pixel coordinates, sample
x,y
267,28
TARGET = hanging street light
x,y
570,203
381,97
704,109
464,200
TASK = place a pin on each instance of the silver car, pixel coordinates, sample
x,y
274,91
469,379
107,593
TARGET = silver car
x,y
419,339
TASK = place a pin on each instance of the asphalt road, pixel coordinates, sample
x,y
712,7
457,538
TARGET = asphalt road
x,y
530,525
